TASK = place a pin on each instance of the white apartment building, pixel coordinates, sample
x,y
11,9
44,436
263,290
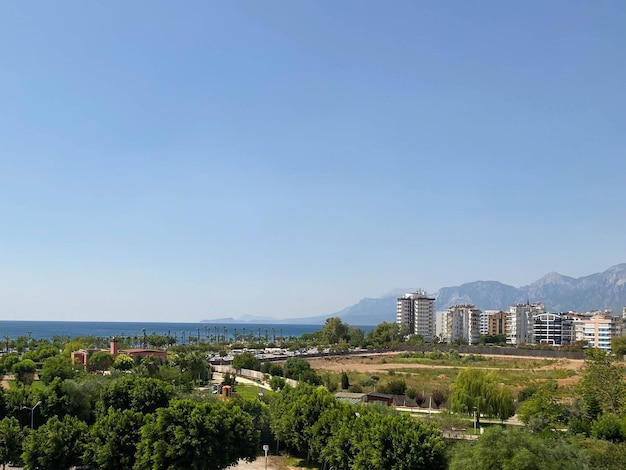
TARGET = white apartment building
x,y
519,328
484,320
460,322
416,311
600,329
440,326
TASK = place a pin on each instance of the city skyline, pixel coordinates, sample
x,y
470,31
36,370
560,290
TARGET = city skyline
x,y
286,160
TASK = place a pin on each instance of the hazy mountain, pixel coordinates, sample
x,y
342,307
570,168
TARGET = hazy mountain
x,y
559,294
594,292
484,294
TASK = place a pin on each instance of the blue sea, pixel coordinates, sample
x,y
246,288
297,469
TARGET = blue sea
x,y
73,329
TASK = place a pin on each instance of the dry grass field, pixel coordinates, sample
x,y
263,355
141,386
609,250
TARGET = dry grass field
x,y
426,374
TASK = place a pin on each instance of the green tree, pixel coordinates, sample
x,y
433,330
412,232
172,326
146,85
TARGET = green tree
x,y
476,391
356,337
609,427
24,371
330,423
415,340
56,366
294,412
11,436
345,381
335,330
246,360
100,361
295,367
618,346
113,440
277,383
380,441
123,362
386,334
195,363
144,395
57,445
197,436
542,410
66,397
511,448
602,385
394,387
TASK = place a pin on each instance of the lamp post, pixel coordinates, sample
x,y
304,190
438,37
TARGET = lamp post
x,y
265,449
474,409
32,412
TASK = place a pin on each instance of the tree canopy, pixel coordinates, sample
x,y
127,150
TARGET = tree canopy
x,y
197,436
476,390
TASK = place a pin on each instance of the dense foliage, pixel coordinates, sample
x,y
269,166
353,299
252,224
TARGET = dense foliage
x,y
146,413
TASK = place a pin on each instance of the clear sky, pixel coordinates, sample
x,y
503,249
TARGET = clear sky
x,y
189,160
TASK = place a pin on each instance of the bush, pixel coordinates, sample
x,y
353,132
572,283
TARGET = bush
x,y
438,397
393,387
277,383
608,427
527,392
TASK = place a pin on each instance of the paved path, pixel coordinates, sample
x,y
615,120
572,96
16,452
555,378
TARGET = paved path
x,y
258,464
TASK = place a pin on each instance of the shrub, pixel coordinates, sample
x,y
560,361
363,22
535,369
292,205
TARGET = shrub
x,y
438,397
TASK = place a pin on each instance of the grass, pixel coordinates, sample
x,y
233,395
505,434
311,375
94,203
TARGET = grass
x,y
514,374
248,391
37,385
475,361
300,463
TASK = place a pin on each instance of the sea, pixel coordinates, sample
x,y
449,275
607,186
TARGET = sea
x,y
72,329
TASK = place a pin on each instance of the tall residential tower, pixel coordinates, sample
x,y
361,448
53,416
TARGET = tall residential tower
x,y
416,310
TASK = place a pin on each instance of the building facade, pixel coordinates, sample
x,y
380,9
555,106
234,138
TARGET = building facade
x,y
554,329
497,323
600,329
415,312
519,322
460,322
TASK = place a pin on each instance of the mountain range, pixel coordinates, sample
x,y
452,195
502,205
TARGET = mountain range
x,y
599,291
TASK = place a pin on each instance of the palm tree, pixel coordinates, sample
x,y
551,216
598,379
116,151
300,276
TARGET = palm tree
x,y
274,334
182,335
145,338
266,335
225,330
196,363
7,339
198,337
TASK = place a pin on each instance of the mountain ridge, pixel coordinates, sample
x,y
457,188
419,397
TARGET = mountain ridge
x,y
559,293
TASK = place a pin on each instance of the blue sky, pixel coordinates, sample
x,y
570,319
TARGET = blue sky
x,y
188,160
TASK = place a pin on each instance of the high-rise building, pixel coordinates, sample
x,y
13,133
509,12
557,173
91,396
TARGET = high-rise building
x,y
519,322
600,329
484,320
416,312
555,329
460,322
497,323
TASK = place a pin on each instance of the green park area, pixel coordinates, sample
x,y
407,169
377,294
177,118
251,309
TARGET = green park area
x,y
466,411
